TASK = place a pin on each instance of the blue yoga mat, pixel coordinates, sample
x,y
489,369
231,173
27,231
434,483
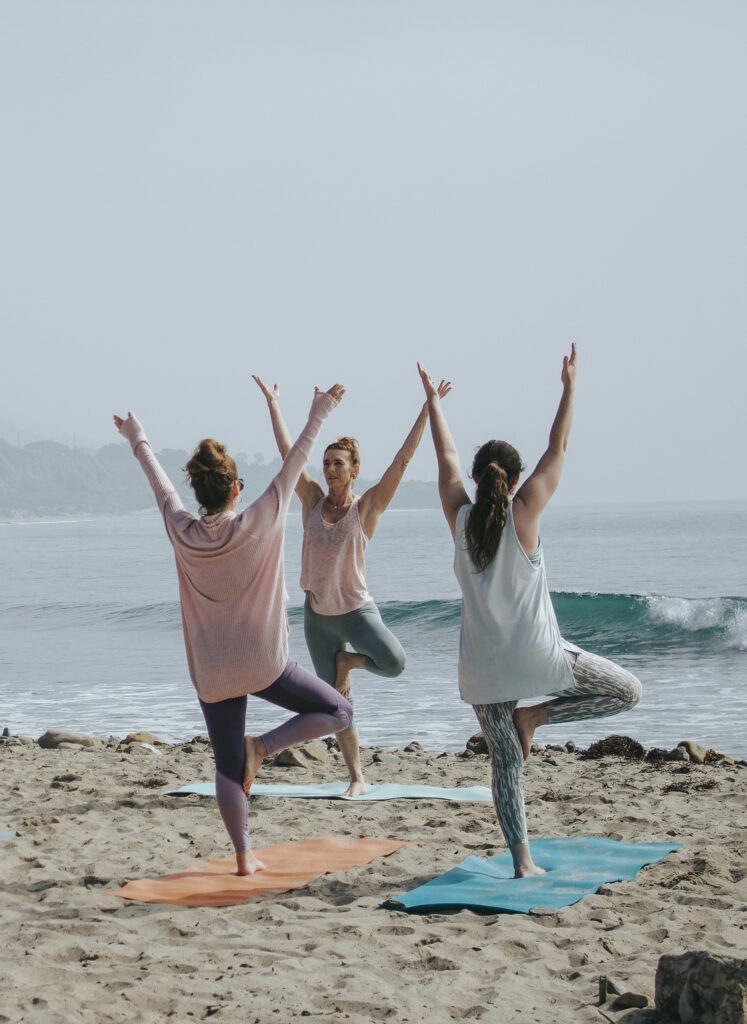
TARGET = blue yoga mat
x,y
334,791
575,866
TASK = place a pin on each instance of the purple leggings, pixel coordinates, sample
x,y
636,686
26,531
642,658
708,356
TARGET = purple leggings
x,y
320,710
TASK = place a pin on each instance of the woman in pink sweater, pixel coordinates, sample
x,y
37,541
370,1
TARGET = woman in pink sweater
x,y
232,590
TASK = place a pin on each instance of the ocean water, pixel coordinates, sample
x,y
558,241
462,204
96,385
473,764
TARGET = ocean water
x,y
90,630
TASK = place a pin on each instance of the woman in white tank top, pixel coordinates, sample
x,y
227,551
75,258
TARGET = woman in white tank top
x,y
510,645
338,525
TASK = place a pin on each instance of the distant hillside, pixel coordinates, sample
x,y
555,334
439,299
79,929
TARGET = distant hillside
x,y
48,480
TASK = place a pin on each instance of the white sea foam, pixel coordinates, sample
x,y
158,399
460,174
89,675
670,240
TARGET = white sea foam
x,y
736,634
691,615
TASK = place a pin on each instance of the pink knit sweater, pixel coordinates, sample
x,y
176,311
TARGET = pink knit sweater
x,y
230,569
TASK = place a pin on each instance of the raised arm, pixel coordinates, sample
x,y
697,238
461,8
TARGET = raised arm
x,y
307,488
537,489
450,485
166,494
322,404
376,499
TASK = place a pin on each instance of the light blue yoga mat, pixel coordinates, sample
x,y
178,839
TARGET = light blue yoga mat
x,y
575,866
334,791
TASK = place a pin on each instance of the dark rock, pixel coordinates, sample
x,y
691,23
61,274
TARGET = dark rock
x,y
702,988
466,754
677,754
571,747
477,744
630,1000
6,731
412,747
656,754
615,746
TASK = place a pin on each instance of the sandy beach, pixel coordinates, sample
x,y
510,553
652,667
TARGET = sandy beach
x,y
88,820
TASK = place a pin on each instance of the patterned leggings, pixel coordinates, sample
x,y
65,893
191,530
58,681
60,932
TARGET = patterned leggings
x,y
601,688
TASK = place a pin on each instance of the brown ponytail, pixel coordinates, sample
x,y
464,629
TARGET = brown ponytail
x,y
211,473
495,469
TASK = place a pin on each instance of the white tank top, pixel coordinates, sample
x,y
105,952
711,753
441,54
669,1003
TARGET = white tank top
x,y
510,645
333,570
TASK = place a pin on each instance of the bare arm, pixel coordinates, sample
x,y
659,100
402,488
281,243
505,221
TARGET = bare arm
x,y
450,485
536,491
307,488
376,499
323,403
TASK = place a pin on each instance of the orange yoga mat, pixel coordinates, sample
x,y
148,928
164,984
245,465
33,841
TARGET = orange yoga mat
x,y
288,866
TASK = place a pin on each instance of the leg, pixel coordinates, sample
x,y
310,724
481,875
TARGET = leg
x,y
376,649
496,722
320,710
601,688
325,639
225,725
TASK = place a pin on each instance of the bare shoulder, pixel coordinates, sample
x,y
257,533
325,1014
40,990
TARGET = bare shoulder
x,y
526,519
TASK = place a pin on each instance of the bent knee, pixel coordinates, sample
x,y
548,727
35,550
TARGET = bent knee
x,y
392,664
343,715
631,692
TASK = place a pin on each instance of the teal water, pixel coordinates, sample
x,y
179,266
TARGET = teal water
x,y
90,632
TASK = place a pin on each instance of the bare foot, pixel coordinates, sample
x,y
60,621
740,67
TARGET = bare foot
x,y
256,752
526,721
346,660
529,871
356,788
347,741
524,866
248,862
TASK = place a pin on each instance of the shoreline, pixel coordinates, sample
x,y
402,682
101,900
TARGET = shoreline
x,y
92,818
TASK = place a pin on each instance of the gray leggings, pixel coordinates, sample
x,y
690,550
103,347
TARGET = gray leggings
x,y
364,630
601,688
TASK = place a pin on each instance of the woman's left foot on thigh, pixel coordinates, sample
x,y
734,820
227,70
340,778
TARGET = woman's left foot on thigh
x,y
256,752
346,661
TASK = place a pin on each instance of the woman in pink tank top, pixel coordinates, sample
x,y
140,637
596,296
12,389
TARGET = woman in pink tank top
x,y
337,528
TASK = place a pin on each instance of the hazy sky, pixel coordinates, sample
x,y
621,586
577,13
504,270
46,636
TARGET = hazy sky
x,y
322,191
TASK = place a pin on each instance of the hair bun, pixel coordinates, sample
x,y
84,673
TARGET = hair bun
x,y
211,472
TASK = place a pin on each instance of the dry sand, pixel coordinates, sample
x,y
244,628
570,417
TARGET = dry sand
x,y
92,819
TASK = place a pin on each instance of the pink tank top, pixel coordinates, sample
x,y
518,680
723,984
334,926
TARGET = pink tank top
x,y
333,570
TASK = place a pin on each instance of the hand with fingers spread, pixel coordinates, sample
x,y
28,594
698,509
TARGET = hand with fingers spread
x,y
271,396
431,390
131,429
336,392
